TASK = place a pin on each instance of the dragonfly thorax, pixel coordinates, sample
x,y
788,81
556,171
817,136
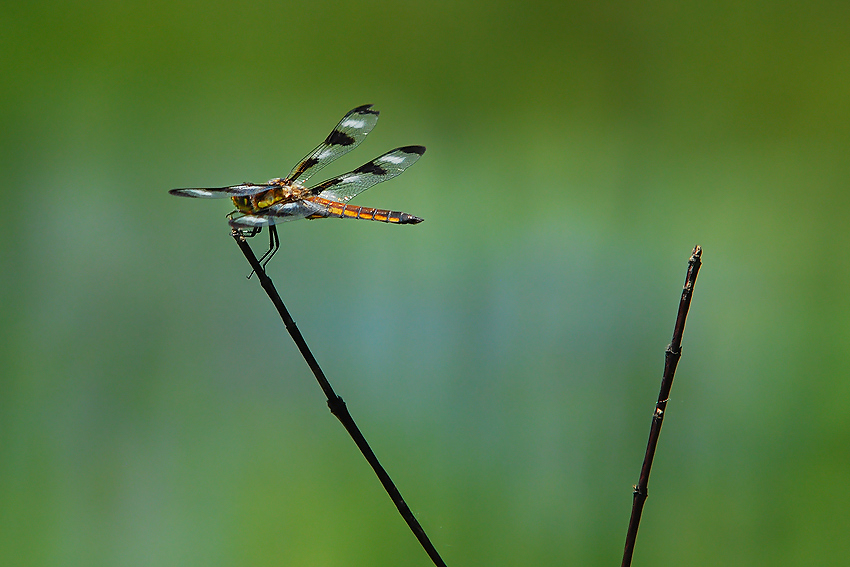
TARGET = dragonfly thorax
x,y
279,192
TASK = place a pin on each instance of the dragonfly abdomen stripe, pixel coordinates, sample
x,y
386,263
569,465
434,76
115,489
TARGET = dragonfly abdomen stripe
x,y
367,213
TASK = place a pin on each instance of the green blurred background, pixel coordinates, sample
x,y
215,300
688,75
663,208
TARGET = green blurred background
x,y
503,357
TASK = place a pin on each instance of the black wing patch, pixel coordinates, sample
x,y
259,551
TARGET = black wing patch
x,y
345,187
350,131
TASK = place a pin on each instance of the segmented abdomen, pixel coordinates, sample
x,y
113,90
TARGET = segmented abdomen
x,y
344,211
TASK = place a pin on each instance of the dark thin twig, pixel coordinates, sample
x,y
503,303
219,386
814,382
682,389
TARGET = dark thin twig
x,y
671,359
336,403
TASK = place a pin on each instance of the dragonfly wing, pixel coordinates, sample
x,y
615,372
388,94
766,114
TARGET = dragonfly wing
x,y
281,212
347,186
219,192
251,221
345,136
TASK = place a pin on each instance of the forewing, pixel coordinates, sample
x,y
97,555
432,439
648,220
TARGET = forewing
x,y
347,186
350,131
219,192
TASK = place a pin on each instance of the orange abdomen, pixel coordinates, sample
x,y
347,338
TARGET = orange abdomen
x,y
344,211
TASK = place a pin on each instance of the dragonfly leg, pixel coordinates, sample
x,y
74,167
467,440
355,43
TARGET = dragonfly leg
x,y
253,232
246,233
274,246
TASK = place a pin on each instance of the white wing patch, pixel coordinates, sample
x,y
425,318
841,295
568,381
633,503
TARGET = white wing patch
x,y
197,193
351,123
393,158
326,154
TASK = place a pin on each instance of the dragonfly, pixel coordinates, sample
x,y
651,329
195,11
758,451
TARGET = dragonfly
x,y
260,205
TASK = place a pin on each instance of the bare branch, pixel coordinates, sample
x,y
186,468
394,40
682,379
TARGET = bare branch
x,y
671,360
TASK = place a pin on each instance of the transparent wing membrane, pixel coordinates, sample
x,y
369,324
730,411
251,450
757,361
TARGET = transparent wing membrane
x,y
219,192
345,187
345,136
